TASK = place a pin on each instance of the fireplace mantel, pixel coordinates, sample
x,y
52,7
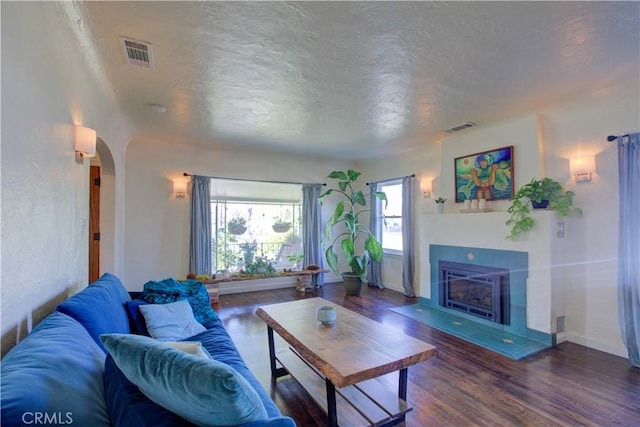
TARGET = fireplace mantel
x,y
487,230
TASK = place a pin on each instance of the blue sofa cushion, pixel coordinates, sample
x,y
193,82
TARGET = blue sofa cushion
x,y
100,307
137,324
204,392
56,370
171,322
170,290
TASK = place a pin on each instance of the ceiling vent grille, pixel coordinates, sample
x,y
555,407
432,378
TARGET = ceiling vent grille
x,y
458,128
137,53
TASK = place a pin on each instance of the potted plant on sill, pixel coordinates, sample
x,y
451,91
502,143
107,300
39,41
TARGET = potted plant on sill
x,y
237,225
352,232
260,265
440,204
538,194
295,260
248,251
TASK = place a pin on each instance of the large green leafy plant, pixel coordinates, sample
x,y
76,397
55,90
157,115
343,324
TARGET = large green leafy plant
x,y
537,191
346,216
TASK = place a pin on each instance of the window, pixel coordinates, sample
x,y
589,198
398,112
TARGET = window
x,y
255,219
392,217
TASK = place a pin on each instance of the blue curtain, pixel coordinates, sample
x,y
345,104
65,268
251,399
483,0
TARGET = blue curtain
x,y
374,271
408,253
200,235
629,241
312,228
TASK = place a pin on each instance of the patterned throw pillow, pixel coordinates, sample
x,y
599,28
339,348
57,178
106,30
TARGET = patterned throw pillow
x,y
170,290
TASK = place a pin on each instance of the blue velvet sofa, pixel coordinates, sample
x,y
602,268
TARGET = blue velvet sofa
x,y
62,374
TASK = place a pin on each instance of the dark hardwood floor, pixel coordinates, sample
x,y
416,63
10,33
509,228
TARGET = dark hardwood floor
x,y
464,385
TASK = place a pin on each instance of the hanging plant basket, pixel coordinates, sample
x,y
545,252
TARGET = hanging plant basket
x,y
281,227
237,225
236,229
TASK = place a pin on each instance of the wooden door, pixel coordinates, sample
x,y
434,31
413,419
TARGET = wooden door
x,y
94,224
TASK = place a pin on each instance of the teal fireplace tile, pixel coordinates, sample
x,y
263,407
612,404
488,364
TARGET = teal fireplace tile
x,y
516,262
518,321
506,343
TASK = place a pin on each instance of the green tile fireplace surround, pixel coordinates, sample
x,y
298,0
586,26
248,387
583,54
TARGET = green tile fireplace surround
x,y
513,340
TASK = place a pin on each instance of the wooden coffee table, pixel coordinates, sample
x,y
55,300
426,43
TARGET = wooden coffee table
x,y
339,364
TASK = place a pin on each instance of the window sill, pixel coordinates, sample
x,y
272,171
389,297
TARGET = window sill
x,y
392,253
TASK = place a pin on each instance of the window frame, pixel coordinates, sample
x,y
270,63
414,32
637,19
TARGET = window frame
x,y
222,201
382,217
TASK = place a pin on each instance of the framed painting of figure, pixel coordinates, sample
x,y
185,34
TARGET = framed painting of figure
x,y
485,175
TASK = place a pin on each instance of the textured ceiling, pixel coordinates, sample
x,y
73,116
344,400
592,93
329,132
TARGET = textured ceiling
x,y
356,79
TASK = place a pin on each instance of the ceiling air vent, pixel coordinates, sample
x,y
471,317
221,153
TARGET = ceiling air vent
x,y
137,53
458,128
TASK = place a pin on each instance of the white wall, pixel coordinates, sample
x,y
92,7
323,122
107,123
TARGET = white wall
x,y
585,262
591,279
48,85
157,223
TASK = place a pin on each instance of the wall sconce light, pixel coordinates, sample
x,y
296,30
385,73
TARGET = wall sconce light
x,y
425,188
582,167
179,189
85,141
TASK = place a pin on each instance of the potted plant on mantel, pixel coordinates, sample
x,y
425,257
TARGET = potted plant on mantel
x,y
347,214
538,194
440,204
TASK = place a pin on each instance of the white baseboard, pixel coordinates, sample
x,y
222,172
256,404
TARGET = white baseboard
x,y
257,285
394,287
281,282
267,284
332,278
561,337
597,345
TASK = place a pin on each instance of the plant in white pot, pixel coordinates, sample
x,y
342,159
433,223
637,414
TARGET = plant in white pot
x,y
440,204
353,235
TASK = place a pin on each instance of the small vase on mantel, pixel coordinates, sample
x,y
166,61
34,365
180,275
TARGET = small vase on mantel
x,y
440,205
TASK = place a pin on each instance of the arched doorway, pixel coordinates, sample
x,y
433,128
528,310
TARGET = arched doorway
x,y
101,212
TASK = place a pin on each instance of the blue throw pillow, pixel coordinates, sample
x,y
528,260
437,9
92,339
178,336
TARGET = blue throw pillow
x,y
56,370
202,391
136,319
171,322
128,406
100,307
170,290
